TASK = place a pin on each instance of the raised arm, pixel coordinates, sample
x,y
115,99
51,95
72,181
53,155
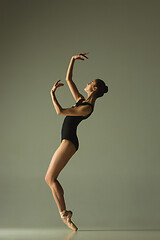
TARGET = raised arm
x,y
70,69
82,110
73,88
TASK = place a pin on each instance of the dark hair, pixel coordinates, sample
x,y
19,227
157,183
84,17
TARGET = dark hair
x,y
102,88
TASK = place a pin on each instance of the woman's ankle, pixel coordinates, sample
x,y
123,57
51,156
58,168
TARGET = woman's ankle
x,y
63,212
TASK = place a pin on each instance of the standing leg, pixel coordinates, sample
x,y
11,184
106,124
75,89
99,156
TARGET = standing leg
x,y
58,194
60,158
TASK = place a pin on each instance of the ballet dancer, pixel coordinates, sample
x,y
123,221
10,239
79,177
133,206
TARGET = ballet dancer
x,y
69,141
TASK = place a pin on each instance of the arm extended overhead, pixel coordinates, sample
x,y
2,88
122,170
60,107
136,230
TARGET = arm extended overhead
x,y
73,88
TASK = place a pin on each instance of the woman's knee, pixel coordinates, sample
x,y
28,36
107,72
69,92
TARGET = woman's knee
x,y
50,179
54,185
59,160
47,180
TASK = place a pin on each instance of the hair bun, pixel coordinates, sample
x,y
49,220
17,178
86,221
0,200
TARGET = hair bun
x,y
106,89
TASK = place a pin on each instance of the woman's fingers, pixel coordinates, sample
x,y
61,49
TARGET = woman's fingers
x,y
83,54
57,82
59,85
56,85
79,56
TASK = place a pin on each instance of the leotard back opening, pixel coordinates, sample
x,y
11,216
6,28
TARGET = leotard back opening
x,y
70,123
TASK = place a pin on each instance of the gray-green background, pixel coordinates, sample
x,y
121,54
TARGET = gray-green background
x,y
113,179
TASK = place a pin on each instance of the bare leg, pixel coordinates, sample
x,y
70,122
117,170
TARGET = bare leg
x,y
60,158
58,195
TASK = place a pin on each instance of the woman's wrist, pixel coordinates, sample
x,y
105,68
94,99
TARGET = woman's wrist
x,y
72,58
52,93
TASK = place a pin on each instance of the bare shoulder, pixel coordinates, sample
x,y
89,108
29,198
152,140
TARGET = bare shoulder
x,y
81,97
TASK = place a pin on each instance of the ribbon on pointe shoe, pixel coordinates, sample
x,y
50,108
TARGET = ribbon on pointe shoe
x,y
66,214
63,213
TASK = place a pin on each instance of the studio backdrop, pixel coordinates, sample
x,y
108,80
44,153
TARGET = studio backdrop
x,y
112,182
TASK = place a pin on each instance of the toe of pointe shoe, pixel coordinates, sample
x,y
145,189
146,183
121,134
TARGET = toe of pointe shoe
x,y
73,227
76,228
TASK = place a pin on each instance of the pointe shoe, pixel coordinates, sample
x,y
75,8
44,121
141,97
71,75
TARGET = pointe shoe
x,y
66,217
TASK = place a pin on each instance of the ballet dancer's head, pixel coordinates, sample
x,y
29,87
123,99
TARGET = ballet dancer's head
x,y
97,88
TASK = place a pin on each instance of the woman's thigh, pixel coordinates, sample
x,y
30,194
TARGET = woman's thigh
x,y
60,158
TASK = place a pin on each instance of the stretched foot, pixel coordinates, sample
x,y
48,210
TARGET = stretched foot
x,y
66,217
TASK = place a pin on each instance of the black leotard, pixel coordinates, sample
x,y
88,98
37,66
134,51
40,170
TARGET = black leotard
x,y
70,124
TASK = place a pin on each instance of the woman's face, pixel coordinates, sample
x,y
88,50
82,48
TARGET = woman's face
x,y
89,86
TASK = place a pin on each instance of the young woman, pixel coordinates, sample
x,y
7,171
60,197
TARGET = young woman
x,y
69,141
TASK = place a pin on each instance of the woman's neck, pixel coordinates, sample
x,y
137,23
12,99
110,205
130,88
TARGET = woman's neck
x,y
91,98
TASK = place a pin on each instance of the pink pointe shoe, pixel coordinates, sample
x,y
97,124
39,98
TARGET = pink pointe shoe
x,y
66,217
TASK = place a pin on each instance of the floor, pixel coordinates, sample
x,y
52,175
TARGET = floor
x,y
81,234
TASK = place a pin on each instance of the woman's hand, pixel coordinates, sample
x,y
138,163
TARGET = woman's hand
x,y
80,56
55,86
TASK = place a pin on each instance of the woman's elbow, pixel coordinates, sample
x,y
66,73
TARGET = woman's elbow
x,y
60,112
